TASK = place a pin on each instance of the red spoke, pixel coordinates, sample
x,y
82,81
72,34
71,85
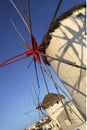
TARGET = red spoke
x,y
39,107
10,59
10,62
35,52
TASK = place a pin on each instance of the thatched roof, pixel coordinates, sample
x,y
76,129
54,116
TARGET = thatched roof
x,y
50,99
47,37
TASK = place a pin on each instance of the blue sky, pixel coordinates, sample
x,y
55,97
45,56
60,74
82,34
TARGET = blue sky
x,y
15,79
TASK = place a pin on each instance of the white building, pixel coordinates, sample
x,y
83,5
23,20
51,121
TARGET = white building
x,y
44,124
65,116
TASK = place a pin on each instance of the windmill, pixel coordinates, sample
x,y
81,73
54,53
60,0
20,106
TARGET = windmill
x,y
36,51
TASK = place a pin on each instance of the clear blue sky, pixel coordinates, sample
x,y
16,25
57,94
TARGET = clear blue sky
x,y
15,79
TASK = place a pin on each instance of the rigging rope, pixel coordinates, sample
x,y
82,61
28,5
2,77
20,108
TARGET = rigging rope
x,y
44,80
56,11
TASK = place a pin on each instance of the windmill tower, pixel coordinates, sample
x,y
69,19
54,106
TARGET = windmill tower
x,y
65,46
51,103
64,115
